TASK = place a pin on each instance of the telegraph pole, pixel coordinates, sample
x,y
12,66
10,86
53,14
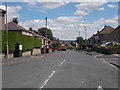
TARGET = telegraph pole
x,y
46,30
46,26
79,39
6,28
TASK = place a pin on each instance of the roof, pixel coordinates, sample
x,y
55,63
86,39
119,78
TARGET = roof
x,y
2,11
106,30
15,27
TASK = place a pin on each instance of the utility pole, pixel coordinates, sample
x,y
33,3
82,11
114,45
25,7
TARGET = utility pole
x,y
79,39
46,30
6,28
85,36
46,26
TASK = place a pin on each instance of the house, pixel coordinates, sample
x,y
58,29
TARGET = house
x,y
101,36
2,19
104,33
13,26
115,35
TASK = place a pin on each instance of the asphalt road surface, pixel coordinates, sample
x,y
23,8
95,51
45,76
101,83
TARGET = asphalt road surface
x,y
64,69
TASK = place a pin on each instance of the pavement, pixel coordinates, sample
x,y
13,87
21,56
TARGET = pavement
x,y
112,58
63,69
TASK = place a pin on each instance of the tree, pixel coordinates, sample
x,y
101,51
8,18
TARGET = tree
x,y
42,31
80,40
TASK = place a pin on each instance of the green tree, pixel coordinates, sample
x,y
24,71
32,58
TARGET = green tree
x,y
42,31
80,41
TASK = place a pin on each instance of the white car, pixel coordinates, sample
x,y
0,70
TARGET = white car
x,y
107,44
110,44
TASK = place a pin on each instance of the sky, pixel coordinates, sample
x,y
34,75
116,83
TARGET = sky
x,y
65,19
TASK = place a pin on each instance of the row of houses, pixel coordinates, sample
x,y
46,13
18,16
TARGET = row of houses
x,y
13,26
107,34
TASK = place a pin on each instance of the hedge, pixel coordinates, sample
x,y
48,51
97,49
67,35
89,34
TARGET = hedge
x,y
37,42
106,49
28,42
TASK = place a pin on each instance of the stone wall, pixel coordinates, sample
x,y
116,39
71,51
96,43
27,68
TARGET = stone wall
x,y
36,51
27,53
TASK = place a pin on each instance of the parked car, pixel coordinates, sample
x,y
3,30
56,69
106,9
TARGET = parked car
x,y
63,47
110,44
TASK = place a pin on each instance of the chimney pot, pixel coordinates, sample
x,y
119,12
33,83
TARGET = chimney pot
x,y
15,20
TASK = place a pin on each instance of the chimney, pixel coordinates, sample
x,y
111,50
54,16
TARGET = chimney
x,y
15,20
105,26
30,29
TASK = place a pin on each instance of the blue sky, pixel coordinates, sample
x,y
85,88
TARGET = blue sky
x,y
65,19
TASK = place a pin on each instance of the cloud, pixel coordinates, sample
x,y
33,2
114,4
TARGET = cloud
x,y
12,11
111,6
68,27
101,9
52,5
80,12
32,3
89,6
85,7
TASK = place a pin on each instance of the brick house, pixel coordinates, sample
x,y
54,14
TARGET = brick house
x,y
101,36
2,19
115,35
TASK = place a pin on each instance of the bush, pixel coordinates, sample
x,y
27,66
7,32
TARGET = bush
x,y
37,43
28,42
105,49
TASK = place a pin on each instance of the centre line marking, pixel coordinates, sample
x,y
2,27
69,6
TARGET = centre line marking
x,y
61,62
46,81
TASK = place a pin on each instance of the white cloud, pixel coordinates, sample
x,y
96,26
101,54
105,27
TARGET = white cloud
x,y
85,7
68,27
101,9
52,5
12,11
89,6
32,3
80,12
111,6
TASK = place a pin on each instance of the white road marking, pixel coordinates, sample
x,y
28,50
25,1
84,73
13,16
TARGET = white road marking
x,y
41,56
61,62
46,81
100,88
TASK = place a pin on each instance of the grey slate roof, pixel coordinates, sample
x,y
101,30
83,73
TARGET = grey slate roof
x,y
106,30
15,27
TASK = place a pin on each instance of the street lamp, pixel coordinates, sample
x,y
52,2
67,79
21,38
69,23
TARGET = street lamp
x,y
6,29
85,36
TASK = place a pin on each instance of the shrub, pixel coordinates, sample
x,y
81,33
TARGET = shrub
x,y
28,42
37,43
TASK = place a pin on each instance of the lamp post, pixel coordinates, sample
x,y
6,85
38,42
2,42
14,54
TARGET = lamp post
x,y
6,29
85,36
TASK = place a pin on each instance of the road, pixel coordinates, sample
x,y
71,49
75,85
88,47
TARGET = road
x,y
64,69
